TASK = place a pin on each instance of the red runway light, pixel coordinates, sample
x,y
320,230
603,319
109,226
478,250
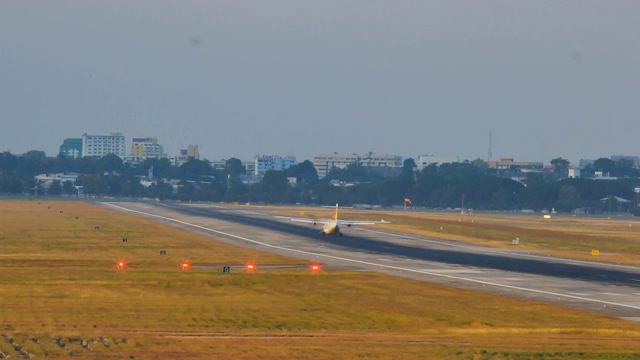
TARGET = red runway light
x,y
251,267
120,264
185,265
314,267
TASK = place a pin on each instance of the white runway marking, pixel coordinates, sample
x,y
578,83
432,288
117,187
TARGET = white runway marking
x,y
451,277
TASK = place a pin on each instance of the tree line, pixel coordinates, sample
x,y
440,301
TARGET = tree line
x,y
464,185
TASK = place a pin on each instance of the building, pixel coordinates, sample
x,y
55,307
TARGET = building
x,y
325,162
426,160
142,149
507,164
191,152
71,148
222,164
101,145
635,159
273,162
583,163
146,148
45,180
574,172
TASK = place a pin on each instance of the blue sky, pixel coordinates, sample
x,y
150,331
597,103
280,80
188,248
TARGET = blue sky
x,y
239,78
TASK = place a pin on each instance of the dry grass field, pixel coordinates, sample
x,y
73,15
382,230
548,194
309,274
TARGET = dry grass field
x,y
63,296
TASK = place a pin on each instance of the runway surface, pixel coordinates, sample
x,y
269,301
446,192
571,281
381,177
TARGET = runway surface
x,y
613,289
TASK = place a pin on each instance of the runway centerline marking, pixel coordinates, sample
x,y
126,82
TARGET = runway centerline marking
x,y
390,267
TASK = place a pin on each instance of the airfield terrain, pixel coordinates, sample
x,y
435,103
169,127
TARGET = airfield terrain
x,y
63,294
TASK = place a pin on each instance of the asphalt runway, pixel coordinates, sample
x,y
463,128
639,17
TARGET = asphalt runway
x,y
601,287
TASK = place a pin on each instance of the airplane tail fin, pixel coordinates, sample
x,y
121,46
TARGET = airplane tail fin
x,y
335,216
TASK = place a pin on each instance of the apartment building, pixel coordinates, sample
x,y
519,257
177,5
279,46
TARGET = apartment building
x,y
146,148
71,148
265,163
325,162
101,145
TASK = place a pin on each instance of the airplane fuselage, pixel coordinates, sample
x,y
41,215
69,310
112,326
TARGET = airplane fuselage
x,y
331,228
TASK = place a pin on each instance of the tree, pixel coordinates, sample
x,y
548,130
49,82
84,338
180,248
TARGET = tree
x,y
625,168
409,167
68,188
304,172
55,188
161,190
480,164
237,190
273,186
162,168
11,182
568,198
8,161
194,169
93,184
560,166
607,166
234,167
354,172
109,163
33,162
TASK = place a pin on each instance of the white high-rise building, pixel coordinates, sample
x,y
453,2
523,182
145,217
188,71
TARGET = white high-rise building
x,y
325,162
101,145
273,162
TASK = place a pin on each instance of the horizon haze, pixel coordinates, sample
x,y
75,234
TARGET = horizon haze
x,y
547,78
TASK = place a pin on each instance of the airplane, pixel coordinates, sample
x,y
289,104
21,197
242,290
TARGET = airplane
x,y
332,227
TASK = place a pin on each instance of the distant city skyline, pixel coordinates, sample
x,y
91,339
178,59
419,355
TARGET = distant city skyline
x,y
129,151
240,78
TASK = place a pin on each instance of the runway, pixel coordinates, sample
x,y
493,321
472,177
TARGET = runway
x,y
609,288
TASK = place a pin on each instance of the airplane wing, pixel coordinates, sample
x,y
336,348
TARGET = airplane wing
x,y
311,221
340,222
349,223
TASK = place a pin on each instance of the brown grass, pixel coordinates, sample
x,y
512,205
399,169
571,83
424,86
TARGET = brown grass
x,y
62,296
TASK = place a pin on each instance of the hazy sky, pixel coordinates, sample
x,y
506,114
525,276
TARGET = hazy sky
x,y
239,78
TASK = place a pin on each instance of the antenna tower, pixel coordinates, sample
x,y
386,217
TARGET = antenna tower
x,y
490,152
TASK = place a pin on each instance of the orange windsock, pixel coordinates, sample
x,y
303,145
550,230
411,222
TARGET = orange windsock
x,y
407,200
